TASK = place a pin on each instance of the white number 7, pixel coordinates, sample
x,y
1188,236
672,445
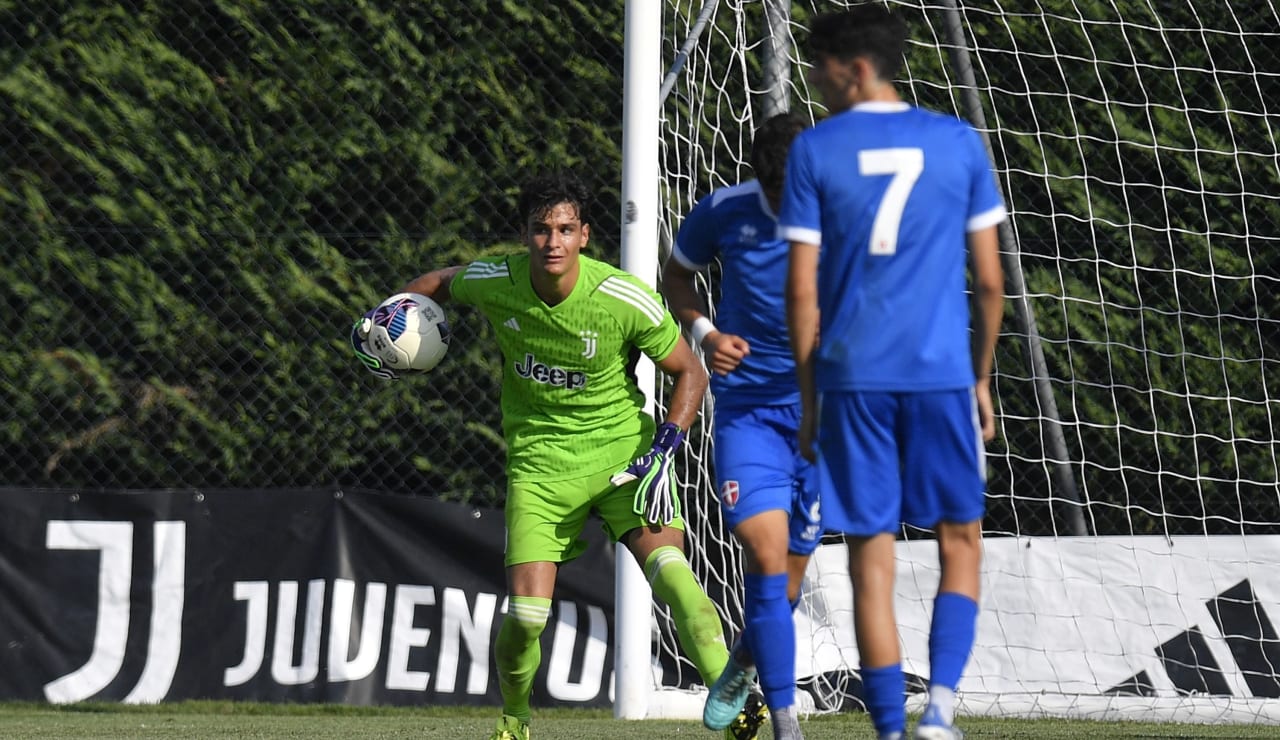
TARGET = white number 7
x,y
905,165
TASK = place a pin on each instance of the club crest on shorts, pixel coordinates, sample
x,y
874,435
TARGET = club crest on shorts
x,y
729,493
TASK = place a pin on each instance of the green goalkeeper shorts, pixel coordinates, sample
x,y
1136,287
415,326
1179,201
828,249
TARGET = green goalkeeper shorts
x,y
545,519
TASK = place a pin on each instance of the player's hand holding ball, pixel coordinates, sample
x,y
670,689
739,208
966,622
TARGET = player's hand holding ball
x,y
407,332
360,345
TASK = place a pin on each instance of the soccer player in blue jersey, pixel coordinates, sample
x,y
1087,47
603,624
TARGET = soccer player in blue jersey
x,y
766,492
894,198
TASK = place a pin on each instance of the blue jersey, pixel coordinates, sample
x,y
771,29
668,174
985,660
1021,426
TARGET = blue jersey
x,y
736,225
890,192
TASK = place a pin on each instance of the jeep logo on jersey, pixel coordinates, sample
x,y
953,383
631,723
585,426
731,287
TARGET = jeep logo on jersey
x,y
574,380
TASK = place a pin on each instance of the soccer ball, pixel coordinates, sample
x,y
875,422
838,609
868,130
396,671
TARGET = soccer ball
x,y
408,331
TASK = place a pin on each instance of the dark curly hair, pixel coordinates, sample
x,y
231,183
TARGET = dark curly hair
x,y
769,148
541,193
864,30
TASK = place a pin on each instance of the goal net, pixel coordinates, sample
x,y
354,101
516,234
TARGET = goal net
x,y
1133,527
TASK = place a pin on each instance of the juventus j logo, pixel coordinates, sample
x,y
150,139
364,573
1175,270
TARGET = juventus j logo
x,y
589,339
114,543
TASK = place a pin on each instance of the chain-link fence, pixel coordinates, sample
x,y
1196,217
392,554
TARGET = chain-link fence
x,y
198,198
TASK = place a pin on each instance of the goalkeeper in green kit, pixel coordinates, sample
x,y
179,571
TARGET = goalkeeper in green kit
x,y
578,438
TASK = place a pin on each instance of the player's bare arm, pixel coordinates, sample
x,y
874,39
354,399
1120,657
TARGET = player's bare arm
x,y
690,384
434,284
802,324
987,312
723,351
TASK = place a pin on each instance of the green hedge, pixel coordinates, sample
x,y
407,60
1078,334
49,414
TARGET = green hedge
x,y
198,198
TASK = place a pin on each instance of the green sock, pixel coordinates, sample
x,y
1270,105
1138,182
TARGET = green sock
x,y
698,624
518,652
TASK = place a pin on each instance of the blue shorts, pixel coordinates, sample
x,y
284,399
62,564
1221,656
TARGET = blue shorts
x,y
759,468
888,458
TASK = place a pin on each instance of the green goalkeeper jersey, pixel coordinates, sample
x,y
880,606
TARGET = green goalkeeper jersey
x,y
570,403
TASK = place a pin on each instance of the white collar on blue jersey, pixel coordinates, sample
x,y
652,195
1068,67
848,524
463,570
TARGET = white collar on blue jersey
x,y
882,106
764,201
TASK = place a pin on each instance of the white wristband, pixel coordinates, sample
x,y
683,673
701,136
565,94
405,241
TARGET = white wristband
x,y
702,326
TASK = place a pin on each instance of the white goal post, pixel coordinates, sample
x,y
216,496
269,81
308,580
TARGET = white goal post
x,y
1133,524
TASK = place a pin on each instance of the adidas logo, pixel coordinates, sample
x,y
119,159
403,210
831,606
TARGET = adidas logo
x,y
1190,665
511,324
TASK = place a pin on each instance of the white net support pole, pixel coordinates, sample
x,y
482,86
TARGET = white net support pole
x,y
633,682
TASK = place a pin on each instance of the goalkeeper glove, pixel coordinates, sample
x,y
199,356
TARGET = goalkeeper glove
x,y
656,499
359,335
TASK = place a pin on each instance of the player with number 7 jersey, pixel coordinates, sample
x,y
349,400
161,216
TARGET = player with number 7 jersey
x,y
892,283
889,208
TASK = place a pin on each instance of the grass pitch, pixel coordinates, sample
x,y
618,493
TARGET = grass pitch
x,y
333,722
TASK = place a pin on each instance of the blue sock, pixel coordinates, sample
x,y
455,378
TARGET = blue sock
x,y
885,690
742,647
772,637
951,634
